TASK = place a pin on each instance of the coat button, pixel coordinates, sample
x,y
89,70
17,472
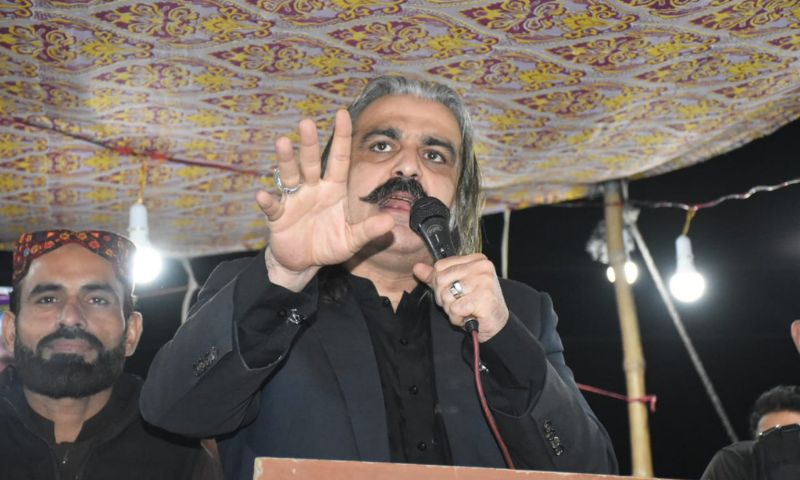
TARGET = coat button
x,y
387,302
403,342
413,390
421,446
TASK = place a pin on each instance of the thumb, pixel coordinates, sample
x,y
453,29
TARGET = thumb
x,y
371,228
424,273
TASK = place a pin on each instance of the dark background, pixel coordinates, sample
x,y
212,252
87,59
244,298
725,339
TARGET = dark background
x,y
748,251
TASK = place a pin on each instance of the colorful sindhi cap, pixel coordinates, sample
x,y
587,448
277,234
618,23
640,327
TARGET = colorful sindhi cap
x,y
113,247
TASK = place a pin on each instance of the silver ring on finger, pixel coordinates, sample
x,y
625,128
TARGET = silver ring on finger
x,y
279,184
456,289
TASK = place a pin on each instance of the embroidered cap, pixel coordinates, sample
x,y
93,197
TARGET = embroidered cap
x,y
113,247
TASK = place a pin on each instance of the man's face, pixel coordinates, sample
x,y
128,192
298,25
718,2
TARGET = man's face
x,y
777,419
402,136
70,338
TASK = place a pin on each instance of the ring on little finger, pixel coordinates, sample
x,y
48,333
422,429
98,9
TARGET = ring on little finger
x,y
456,289
279,184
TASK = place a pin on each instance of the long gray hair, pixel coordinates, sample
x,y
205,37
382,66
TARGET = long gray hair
x,y
469,195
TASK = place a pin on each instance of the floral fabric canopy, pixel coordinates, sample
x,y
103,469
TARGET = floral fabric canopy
x,y
564,94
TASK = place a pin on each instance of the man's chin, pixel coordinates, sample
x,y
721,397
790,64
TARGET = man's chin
x,y
69,375
70,357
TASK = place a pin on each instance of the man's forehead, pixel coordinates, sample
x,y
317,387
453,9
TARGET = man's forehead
x,y
70,265
432,130
437,110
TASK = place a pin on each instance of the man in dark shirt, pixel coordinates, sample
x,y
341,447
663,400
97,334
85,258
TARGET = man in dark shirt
x,y
343,339
66,408
774,452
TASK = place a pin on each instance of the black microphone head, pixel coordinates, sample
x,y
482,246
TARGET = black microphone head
x,y
425,208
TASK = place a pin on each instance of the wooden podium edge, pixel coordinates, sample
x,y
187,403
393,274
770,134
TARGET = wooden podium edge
x,y
270,468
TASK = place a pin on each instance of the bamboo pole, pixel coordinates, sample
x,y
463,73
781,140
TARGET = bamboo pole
x,y
634,364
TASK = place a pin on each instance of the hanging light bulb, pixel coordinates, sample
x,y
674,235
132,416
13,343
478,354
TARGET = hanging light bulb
x,y
147,263
631,272
687,285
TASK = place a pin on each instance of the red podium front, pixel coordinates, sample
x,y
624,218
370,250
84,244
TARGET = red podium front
x,y
297,469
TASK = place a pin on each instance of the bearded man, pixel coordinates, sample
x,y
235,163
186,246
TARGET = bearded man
x,y
67,410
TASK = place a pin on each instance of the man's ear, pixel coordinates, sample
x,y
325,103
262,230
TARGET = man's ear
x,y
796,333
135,327
9,330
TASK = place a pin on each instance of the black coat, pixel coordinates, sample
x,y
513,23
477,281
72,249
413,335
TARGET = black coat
x,y
126,448
321,397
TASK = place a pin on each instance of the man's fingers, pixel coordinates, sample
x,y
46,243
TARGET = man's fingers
x,y
271,207
371,228
289,171
339,156
310,164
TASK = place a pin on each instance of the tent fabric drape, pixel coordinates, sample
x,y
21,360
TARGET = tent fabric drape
x,y
564,95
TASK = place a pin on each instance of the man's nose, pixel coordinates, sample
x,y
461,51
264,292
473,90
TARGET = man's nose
x,y
408,164
72,314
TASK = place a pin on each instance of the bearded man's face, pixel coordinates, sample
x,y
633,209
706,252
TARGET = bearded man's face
x,y
70,336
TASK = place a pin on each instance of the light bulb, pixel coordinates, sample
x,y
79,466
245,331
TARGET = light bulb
x,y
631,272
687,285
147,261
146,265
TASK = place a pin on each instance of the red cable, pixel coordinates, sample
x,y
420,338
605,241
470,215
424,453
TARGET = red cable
x,y
651,399
482,398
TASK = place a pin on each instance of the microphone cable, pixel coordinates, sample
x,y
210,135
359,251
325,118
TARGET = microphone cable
x,y
472,327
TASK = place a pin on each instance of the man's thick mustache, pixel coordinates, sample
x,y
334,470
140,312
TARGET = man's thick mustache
x,y
396,185
64,333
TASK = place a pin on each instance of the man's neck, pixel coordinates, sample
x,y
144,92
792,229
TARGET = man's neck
x,y
388,282
67,414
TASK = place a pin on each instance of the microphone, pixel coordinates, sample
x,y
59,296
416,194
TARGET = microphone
x,y
430,219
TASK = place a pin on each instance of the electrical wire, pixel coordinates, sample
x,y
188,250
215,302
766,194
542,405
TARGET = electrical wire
x,y
130,151
143,180
484,405
682,206
689,216
504,245
714,203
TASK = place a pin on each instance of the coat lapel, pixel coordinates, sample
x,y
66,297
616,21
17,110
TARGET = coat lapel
x,y
343,333
471,441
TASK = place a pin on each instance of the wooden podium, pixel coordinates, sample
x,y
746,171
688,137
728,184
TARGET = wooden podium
x,y
297,469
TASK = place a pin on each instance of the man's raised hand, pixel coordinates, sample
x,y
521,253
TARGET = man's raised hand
x,y
309,228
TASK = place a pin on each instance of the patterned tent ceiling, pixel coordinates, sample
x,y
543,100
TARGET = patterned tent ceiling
x,y
564,93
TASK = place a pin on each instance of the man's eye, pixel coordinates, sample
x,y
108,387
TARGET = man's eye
x,y
46,300
382,147
435,157
98,301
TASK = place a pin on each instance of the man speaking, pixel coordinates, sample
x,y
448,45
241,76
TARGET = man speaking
x,y
343,339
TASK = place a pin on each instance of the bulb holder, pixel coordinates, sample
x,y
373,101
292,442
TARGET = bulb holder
x,y
147,262
683,250
138,231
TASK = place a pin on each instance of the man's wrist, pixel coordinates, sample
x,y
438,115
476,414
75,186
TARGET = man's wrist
x,y
288,279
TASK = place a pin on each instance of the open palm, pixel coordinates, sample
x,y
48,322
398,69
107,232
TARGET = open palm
x,y
309,228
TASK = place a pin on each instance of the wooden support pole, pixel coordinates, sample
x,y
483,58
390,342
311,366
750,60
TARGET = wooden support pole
x,y
634,364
